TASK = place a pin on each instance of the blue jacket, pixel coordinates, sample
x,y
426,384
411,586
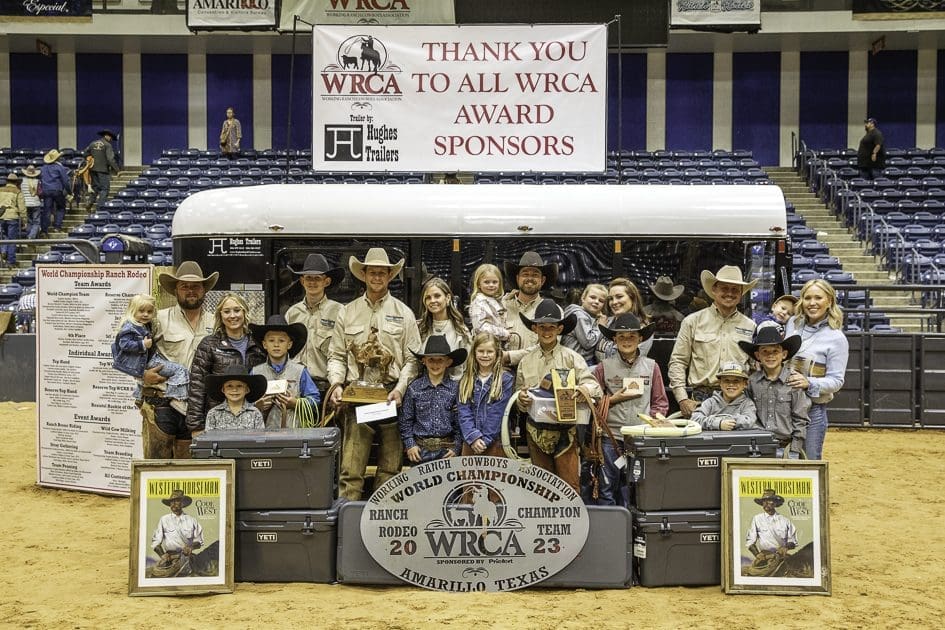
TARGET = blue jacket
x,y
54,178
128,352
481,417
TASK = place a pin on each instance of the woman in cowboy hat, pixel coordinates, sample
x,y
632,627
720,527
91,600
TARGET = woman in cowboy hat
x,y
239,389
54,184
661,312
283,342
12,216
30,188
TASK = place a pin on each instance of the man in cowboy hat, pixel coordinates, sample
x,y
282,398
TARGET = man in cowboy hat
x,y
176,331
709,338
318,314
29,185
661,311
283,342
12,217
177,534
377,313
552,447
103,167
54,183
769,389
530,274
770,533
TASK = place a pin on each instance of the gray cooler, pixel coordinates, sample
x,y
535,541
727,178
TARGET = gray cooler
x,y
677,548
685,473
286,546
289,469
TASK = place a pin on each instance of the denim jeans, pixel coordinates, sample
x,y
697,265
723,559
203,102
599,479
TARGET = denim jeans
x,y
791,455
32,220
612,486
54,210
816,431
9,229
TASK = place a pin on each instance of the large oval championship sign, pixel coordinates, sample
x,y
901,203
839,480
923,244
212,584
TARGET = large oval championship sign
x,y
474,524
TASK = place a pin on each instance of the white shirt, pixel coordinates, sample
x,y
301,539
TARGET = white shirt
x,y
175,532
771,532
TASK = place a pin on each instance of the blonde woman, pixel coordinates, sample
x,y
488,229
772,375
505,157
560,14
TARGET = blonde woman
x,y
821,363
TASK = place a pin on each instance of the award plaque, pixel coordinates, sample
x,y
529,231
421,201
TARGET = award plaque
x,y
564,388
373,361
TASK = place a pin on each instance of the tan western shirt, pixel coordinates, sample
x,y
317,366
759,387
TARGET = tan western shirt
x,y
174,336
396,330
705,341
536,364
320,322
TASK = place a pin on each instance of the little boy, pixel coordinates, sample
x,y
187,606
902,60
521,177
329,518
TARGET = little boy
x,y
429,421
552,447
282,341
781,310
240,389
782,409
729,408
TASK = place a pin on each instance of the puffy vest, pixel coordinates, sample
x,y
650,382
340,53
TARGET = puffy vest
x,y
291,373
615,370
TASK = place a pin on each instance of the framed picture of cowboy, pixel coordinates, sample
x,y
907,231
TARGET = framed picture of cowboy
x,y
182,515
775,527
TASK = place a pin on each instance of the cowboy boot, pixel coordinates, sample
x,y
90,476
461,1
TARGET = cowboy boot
x,y
157,444
182,449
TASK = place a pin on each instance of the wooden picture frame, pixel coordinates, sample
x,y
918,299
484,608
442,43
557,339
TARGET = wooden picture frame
x,y
198,553
775,527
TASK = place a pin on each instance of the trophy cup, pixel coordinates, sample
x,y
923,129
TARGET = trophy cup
x,y
373,361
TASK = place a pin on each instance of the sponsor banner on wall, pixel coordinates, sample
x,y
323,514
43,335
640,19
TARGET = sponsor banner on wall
x,y
232,14
88,428
367,12
694,13
898,9
27,9
451,98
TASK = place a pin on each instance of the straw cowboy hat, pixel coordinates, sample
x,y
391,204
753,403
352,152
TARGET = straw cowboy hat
x,y
189,271
257,383
31,171
375,257
730,274
178,495
317,265
770,495
665,290
771,334
297,332
438,346
548,312
626,322
532,259
52,156
13,178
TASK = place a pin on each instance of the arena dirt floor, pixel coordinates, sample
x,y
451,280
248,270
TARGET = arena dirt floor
x,y
64,563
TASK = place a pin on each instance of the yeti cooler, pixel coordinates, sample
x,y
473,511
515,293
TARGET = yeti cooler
x,y
677,548
685,473
290,469
286,546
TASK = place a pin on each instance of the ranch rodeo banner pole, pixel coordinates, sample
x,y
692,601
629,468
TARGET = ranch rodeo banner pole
x,y
460,98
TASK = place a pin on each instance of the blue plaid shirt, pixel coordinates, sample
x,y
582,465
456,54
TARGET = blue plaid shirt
x,y
430,411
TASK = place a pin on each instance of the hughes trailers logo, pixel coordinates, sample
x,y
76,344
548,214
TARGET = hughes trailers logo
x,y
474,524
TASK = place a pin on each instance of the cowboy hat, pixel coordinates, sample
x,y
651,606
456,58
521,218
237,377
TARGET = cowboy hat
x,y
188,271
732,368
297,332
108,132
13,177
438,346
730,274
317,265
178,494
771,334
770,494
375,257
52,156
257,383
31,171
548,312
627,322
532,259
665,290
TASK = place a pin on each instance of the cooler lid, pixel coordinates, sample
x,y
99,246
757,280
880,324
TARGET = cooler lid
x,y
267,440
286,520
677,520
708,441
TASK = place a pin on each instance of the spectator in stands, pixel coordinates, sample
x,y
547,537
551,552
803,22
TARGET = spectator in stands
x,y
103,168
230,135
709,338
871,154
586,336
26,311
662,311
12,217
530,274
30,188
820,364
441,317
54,183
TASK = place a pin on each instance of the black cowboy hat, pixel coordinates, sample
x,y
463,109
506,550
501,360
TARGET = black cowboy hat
x,y
316,264
178,494
107,132
256,382
627,322
438,346
771,334
297,332
770,494
532,259
548,312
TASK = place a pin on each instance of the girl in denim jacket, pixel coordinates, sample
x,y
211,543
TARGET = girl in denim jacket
x,y
484,393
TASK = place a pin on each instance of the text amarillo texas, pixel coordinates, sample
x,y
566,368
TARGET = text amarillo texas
x,y
474,524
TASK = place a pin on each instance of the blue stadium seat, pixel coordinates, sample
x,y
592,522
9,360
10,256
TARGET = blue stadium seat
x,y
25,277
838,277
10,293
82,231
108,228
826,262
48,258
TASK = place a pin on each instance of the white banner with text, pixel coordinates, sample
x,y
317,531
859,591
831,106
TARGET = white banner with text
x,y
232,14
694,13
366,12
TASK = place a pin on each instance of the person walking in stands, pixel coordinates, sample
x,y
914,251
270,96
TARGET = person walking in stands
x,y
230,135
12,217
103,167
871,154
54,184
30,188
820,364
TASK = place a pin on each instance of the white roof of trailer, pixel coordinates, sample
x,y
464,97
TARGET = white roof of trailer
x,y
484,210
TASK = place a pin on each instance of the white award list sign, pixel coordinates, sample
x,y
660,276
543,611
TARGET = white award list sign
x,y
88,428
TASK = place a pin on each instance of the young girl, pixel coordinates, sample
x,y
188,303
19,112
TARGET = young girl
x,y
586,336
485,310
484,393
133,351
